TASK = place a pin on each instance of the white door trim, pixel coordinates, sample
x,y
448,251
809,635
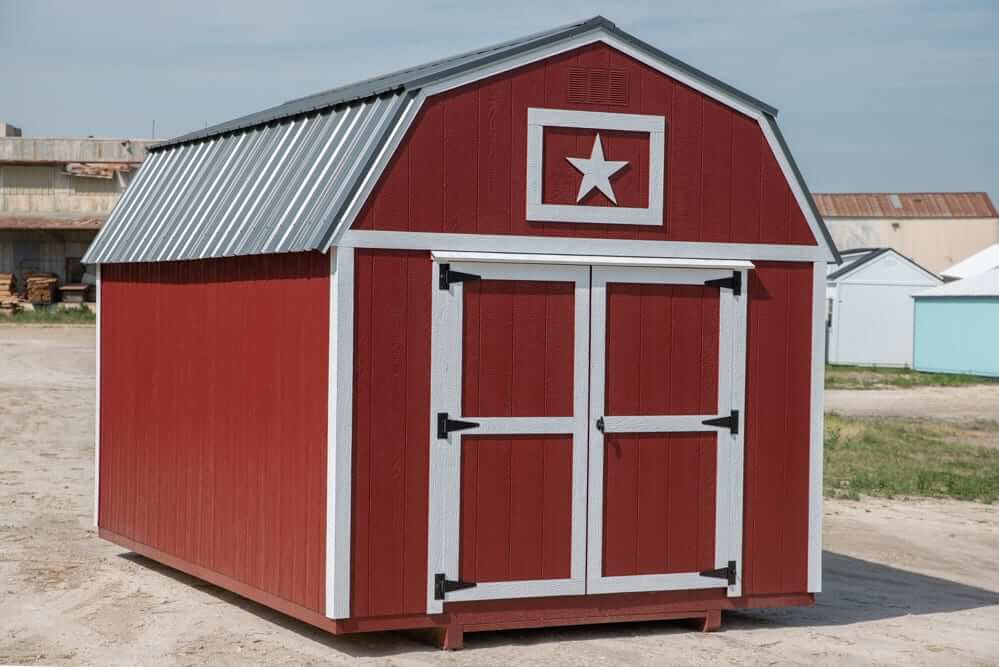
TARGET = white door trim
x,y
445,454
590,260
731,392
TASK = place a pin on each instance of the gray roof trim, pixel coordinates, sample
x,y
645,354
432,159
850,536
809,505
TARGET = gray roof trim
x,y
872,254
804,188
422,75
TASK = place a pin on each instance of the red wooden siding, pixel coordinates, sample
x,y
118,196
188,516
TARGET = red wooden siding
x,y
517,350
662,349
516,507
213,416
391,433
778,396
659,503
462,166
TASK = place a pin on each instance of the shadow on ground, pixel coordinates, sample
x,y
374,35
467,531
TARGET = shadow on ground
x,y
856,591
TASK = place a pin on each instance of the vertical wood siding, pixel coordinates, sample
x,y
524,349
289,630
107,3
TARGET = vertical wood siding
x,y
659,503
517,349
516,507
462,166
778,377
391,433
213,415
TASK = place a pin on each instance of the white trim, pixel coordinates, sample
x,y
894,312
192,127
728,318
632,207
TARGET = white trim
x,y
97,401
654,126
590,260
731,378
823,250
816,448
581,246
444,522
339,442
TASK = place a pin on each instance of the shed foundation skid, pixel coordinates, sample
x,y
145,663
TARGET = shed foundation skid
x,y
532,337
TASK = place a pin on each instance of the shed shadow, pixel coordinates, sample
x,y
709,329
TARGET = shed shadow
x,y
856,591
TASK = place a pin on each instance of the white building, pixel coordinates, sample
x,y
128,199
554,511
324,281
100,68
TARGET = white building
x,y
869,314
980,262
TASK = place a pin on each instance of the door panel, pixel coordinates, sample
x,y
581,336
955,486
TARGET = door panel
x,y
662,349
508,489
516,508
664,492
517,348
659,503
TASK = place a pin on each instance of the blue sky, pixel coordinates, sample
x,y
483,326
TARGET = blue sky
x,y
874,95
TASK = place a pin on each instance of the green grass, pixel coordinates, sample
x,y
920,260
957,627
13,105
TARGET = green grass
x,y
863,377
52,316
880,456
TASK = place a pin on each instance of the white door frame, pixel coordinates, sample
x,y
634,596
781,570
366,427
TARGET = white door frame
x,y
445,454
731,396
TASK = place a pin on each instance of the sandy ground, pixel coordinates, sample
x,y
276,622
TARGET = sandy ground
x,y
906,582
951,403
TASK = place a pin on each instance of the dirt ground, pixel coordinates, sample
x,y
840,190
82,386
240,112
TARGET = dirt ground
x,y
952,403
913,582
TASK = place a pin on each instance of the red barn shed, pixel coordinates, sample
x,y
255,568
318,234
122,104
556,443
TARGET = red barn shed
x,y
530,336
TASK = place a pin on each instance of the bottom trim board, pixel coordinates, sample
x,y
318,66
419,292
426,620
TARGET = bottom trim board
x,y
487,615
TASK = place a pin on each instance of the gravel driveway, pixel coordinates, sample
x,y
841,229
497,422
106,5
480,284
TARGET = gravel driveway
x,y
906,582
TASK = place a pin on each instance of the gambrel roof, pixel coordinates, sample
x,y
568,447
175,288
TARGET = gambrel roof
x,y
292,177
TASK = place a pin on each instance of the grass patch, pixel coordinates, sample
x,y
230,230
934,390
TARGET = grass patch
x,y
52,316
881,456
863,377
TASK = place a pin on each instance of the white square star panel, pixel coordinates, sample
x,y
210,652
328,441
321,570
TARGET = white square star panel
x,y
600,188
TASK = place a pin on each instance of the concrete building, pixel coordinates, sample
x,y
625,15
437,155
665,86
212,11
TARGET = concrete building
x,y
54,195
934,229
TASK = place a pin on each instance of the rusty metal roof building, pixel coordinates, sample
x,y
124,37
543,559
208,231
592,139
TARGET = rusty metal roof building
x,y
905,205
285,179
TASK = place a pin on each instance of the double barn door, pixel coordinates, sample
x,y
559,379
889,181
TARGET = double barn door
x,y
586,433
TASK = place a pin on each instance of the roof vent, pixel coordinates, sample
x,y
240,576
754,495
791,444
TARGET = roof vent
x,y
596,85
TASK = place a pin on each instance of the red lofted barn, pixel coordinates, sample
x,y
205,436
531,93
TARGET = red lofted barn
x,y
525,337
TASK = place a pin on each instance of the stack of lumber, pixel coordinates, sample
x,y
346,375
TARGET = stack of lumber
x,y
8,297
40,287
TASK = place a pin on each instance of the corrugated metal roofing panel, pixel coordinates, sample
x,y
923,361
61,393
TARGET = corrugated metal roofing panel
x,y
273,188
983,284
905,205
980,262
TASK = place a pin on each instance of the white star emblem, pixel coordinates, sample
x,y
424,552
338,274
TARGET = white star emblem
x,y
596,172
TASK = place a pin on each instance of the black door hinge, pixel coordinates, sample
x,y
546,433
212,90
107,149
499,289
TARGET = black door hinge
x,y
445,425
727,573
443,585
731,422
600,424
447,276
734,283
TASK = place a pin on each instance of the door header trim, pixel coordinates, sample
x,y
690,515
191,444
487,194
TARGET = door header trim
x,y
590,260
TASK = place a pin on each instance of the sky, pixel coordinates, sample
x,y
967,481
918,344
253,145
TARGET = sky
x,y
874,95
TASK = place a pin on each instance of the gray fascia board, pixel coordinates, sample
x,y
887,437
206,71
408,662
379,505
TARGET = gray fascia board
x,y
804,188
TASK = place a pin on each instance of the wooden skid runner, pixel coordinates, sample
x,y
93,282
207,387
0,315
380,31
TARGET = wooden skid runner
x,y
448,629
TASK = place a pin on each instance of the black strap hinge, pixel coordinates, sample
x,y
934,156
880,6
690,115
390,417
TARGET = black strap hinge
x,y
728,573
447,277
600,424
445,425
443,585
730,422
734,283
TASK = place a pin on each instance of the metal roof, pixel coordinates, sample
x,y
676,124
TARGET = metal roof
x,y
905,205
980,262
984,284
272,188
280,180
858,257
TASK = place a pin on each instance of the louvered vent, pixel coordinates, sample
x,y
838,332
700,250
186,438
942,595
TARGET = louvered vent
x,y
595,85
